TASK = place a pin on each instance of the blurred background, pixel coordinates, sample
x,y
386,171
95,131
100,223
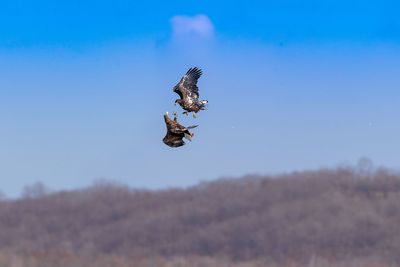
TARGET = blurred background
x,y
295,161
292,85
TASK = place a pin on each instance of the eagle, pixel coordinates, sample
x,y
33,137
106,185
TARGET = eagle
x,y
176,132
189,92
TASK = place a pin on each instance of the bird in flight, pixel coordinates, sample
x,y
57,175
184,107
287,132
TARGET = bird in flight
x,y
176,132
189,92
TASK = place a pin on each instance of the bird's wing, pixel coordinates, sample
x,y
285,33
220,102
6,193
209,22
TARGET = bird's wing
x,y
177,129
173,125
193,126
187,86
173,140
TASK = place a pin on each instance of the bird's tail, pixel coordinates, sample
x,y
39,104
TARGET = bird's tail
x,y
189,136
204,104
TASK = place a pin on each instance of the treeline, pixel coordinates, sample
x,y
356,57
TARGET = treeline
x,y
337,215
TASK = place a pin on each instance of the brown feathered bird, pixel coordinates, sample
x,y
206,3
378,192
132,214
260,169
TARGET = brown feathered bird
x,y
176,132
189,92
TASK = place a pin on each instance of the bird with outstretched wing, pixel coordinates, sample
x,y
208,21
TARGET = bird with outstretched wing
x,y
176,132
189,92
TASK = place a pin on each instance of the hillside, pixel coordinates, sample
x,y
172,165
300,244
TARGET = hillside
x,y
338,215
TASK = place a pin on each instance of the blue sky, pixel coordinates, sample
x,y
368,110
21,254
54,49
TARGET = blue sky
x,y
292,85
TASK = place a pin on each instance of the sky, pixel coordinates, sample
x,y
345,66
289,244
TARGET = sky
x,y
291,85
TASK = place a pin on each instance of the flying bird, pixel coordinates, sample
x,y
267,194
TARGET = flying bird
x,y
176,132
189,92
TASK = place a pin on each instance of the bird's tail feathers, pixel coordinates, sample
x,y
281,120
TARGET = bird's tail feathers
x,y
204,104
189,136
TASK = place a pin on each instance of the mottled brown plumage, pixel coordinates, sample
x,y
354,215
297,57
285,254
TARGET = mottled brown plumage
x,y
176,132
189,92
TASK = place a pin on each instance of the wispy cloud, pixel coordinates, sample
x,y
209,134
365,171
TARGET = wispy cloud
x,y
199,26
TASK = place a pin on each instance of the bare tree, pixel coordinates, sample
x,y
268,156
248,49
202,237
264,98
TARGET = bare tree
x,y
35,190
331,214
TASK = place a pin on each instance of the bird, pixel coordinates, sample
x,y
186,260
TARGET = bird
x,y
176,132
189,92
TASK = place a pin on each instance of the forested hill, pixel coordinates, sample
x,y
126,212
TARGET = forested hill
x,y
334,214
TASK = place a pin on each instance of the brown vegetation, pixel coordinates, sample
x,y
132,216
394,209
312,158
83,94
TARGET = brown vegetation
x,y
338,215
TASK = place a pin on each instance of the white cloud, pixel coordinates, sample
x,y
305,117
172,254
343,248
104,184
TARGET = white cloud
x,y
199,25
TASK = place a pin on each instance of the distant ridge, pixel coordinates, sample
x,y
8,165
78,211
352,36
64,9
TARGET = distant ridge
x,y
336,214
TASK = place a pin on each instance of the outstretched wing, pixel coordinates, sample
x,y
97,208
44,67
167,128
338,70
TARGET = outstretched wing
x,y
187,86
173,140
